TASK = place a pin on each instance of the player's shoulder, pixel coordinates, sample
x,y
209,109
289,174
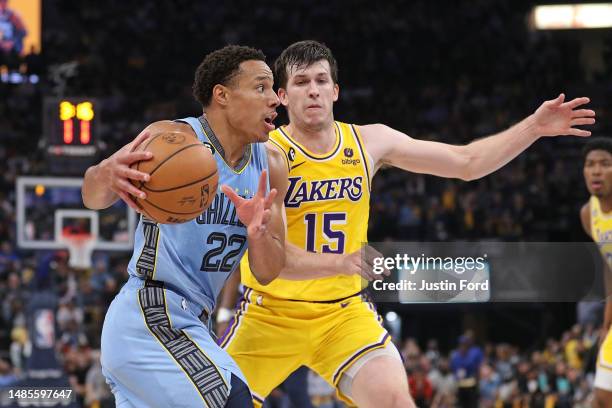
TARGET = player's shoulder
x,y
585,211
274,150
277,137
278,166
377,133
276,156
585,217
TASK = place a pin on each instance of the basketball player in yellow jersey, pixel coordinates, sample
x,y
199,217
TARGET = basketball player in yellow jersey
x,y
596,217
315,314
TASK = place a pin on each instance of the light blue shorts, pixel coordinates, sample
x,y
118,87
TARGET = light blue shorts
x,y
157,353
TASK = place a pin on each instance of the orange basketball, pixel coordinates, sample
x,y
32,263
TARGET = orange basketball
x,y
183,179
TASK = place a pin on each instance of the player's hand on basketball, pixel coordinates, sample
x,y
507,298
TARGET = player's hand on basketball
x,y
556,117
361,262
116,172
254,212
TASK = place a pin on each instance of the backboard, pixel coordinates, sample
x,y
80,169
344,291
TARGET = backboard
x,y
48,207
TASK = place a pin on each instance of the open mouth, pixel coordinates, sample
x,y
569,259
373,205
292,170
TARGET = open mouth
x,y
269,120
596,184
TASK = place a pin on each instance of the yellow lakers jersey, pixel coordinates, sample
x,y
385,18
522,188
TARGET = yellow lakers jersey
x,y
601,228
327,206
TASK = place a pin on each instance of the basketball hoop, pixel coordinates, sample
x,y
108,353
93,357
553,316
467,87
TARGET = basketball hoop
x,y
81,246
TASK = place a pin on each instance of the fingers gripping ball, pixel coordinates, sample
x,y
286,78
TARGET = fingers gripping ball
x,y
183,179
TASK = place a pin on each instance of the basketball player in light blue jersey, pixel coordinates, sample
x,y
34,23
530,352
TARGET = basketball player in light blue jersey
x,y
156,349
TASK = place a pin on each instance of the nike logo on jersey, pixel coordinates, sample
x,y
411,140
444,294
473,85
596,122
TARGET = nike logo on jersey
x,y
322,190
295,166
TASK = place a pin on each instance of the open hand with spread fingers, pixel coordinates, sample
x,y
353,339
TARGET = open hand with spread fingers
x,y
254,212
556,117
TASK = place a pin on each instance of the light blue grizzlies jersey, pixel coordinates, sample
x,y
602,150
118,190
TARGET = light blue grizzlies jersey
x,y
195,258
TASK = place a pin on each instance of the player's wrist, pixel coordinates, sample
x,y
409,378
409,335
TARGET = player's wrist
x,y
338,265
224,315
100,174
531,127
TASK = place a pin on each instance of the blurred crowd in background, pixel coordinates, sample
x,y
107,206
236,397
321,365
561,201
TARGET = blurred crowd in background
x,y
452,74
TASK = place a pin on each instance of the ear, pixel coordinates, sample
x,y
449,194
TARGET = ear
x,y
282,96
220,94
336,92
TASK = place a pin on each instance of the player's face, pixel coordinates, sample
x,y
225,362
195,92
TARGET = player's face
x,y
252,102
310,94
598,173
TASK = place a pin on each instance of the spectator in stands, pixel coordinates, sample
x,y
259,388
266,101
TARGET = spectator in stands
x,y
444,385
465,364
20,348
432,352
97,392
420,387
68,314
7,375
77,361
488,386
8,258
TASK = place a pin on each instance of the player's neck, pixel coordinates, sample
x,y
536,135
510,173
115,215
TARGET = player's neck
x,y
232,142
317,140
605,204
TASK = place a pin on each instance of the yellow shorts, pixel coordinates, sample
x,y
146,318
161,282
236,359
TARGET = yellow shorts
x,y
603,376
270,338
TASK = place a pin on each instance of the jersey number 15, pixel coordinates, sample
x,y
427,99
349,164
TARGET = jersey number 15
x,y
335,239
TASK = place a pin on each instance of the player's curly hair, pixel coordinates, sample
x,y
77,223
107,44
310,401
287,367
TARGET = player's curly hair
x,y
220,67
597,143
303,54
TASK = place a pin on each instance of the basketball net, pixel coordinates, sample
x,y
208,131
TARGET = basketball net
x,y
81,246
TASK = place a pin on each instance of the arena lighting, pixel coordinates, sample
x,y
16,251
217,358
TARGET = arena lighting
x,y
572,16
391,316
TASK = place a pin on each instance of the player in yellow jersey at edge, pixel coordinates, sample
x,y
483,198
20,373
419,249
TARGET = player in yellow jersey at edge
x,y
596,218
315,313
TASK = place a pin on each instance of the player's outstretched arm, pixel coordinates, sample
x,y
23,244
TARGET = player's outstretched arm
x,y
264,216
303,265
481,157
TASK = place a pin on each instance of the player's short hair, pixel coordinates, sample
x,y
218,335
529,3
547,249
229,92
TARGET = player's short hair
x,y
220,67
597,143
303,54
